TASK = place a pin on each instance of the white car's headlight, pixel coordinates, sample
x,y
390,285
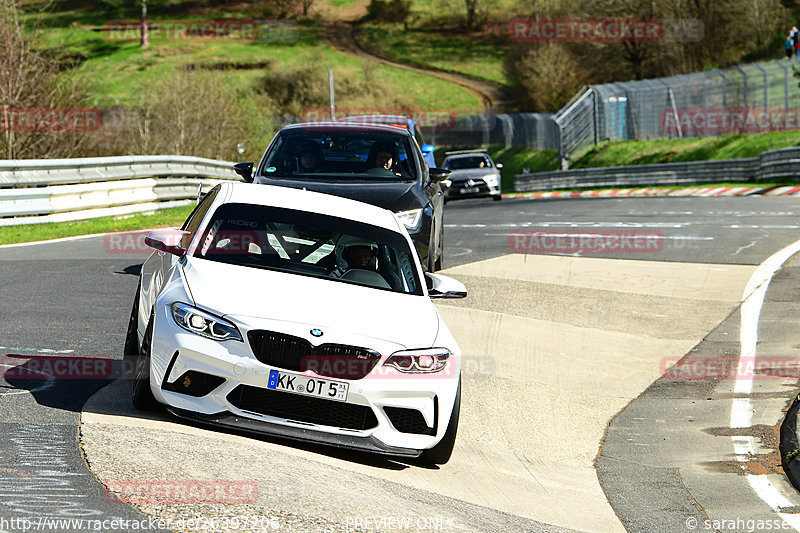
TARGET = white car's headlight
x,y
203,323
490,178
425,361
410,219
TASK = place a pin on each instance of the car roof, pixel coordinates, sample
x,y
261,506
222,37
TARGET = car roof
x,y
346,126
465,153
312,202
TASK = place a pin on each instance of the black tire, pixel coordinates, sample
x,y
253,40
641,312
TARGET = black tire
x,y
438,264
430,262
141,395
132,349
440,454
497,197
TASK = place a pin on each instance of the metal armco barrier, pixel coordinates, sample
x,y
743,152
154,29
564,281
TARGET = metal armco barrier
x,y
773,164
57,190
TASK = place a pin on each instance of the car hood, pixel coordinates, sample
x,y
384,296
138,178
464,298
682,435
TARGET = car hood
x,y
251,293
471,173
393,195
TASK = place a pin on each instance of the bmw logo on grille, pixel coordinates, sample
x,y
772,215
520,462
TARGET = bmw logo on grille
x,y
316,332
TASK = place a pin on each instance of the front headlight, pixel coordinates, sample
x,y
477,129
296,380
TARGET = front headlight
x,y
203,323
410,219
425,361
490,179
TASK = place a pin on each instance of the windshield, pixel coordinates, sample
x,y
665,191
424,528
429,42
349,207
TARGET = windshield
x,y
310,244
474,161
353,155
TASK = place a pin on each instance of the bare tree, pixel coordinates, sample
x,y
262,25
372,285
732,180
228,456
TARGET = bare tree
x,y
34,95
191,113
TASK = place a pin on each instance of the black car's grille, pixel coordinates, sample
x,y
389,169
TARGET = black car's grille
x,y
408,421
302,408
295,353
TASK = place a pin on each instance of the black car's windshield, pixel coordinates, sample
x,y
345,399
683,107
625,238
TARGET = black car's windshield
x,y
345,154
310,244
473,161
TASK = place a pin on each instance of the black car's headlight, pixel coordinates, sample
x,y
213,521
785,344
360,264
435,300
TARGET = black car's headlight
x,y
203,323
426,361
410,219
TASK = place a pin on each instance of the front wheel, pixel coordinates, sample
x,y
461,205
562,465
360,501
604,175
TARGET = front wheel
x,y
438,264
440,454
141,396
131,349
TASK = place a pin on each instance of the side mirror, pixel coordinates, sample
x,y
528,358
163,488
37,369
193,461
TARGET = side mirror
x,y
440,286
438,174
167,240
499,165
245,170
427,148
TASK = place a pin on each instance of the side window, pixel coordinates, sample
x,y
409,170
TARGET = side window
x,y
196,217
418,135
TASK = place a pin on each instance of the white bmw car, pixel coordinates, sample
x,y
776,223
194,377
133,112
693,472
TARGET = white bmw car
x,y
297,314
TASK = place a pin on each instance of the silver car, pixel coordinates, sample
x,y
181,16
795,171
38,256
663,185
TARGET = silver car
x,y
473,174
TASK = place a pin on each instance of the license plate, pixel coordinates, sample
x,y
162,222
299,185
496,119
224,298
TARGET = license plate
x,y
469,190
308,386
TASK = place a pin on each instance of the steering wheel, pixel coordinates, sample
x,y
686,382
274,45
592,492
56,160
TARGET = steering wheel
x,y
380,171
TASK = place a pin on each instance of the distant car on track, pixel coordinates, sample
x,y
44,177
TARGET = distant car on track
x,y
297,314
345,164
473,174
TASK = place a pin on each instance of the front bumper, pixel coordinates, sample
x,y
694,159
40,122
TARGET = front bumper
x,y
475,189
259,427
203,380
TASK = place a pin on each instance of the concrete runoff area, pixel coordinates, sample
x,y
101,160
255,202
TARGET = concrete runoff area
x,y
554,347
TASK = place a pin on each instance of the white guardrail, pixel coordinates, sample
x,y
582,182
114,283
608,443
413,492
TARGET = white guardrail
x,y
58,190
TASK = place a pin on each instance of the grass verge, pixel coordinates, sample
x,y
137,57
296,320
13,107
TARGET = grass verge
x,y
621,153
731,146
41,232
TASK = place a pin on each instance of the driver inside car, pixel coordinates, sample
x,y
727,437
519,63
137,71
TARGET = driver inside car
x,y
309,157
353,253
383,155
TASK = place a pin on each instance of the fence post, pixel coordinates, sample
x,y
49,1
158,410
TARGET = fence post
x,y
744,86
724,88
596,115
563,161
785,86
764,75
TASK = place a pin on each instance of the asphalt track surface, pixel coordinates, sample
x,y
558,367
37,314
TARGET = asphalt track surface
x,y
667,455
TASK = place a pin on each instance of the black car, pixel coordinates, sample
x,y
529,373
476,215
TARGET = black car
x,y
376,164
